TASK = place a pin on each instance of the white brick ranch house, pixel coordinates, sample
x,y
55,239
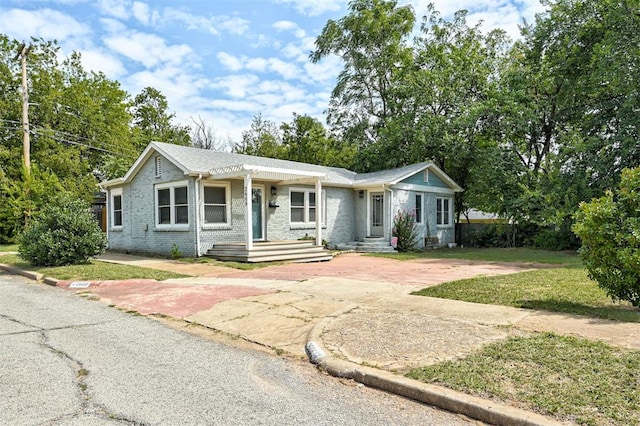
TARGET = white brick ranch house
x,y
209,202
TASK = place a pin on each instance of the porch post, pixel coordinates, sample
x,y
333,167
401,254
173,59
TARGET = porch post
x,y
319,210
248,214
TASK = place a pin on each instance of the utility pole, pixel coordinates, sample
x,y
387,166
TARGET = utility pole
x,y
23,51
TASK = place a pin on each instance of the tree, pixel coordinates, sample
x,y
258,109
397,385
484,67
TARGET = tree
x,y
262,139
202,136
569,109
609,228
371,40
75,118
153,122
306,140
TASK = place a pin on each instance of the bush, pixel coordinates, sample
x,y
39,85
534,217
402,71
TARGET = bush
x,y
63,233
404,227
609,228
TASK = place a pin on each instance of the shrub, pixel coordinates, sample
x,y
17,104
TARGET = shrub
x,y
63,233
609,228
404,227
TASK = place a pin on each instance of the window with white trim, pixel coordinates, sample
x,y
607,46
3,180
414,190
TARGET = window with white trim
x,y
216,204
443,207
418,208
116,208
425,176
303,206
172,204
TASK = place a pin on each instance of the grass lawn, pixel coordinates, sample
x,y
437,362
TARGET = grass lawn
x,y
571,379
520,255
94,270
8,247
567,290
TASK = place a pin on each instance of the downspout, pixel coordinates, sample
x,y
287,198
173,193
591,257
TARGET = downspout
x,y
197,215
108,207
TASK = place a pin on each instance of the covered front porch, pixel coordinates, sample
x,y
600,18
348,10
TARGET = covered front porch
x,y
259,182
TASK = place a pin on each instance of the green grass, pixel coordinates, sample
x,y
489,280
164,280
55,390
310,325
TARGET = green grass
x,y
8,247
94,270
572,379
568,290
520,255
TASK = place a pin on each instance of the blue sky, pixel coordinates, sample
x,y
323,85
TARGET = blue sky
x,y
222,60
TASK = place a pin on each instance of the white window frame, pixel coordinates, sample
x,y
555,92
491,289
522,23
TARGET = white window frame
x,y
449,216
172,205
227,197
419,217
307,222
425,176
115,193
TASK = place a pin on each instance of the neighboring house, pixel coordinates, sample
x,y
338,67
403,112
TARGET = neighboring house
x,y
194,199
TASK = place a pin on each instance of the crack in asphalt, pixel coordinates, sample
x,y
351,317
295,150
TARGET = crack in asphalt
x,y
87,406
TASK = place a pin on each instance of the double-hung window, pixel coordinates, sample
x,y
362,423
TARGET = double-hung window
x,y
216,204
443,206
116,208
418,208
303,206
172,204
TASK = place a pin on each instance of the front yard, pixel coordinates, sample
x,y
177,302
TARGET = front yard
x,y
571,379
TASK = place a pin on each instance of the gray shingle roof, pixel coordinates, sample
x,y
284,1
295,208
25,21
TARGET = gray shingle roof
x,y
201,161
196,160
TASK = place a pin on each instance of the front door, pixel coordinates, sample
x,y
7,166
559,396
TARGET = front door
x,y
377,214
257,210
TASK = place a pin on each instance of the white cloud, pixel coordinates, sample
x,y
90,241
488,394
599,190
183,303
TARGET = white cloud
x,y
97,60
290,26
212,25
233,25
287,70
193,22
46,23
147,49
230,62
236,86
116,8
141,12
112,25
314,7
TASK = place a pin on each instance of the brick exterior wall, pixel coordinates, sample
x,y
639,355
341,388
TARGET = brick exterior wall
x,y
139,233
346,219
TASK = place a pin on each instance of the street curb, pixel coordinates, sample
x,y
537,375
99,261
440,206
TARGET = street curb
x,y
29,274
437,396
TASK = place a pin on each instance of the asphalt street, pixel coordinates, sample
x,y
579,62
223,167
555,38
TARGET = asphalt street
x,y
65,360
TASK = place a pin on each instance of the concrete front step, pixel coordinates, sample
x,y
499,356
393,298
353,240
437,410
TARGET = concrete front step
x,y
369,245
295,251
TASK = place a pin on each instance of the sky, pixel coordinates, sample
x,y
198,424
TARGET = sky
x,y
220,61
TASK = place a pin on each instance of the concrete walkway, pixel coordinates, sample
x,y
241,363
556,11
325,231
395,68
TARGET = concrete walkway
x,y
353,313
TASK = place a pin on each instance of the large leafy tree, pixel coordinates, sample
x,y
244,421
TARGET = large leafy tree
x,y
75,117
305,139
372,42
262,139
153,121
569,108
